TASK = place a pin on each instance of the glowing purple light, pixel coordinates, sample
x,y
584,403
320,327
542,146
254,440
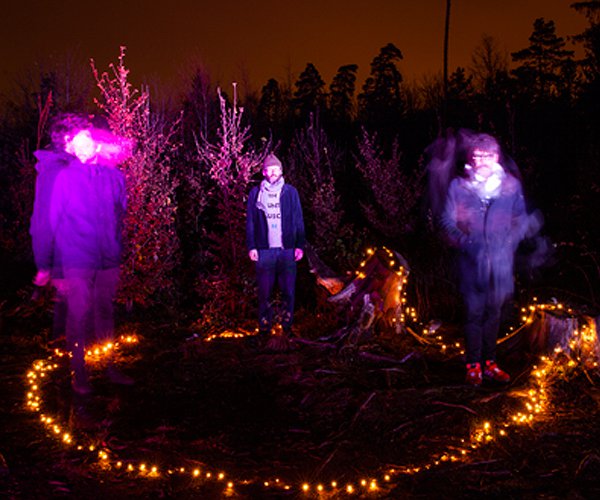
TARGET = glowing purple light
x,y
98,146
113,148
82,146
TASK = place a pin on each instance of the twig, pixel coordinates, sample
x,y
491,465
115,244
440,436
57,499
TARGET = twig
x,y
312,343
362,407
406,424
587,375
476,464
450,405
421,340
385,359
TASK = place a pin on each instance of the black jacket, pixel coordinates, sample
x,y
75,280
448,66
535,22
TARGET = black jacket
x,y
486,235
292,221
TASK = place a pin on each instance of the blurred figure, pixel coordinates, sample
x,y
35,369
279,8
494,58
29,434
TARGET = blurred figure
x,y
275,241
49,164
85,220
484,218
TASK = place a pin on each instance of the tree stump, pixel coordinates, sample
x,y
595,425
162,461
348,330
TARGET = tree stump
x,y
552,328
374,293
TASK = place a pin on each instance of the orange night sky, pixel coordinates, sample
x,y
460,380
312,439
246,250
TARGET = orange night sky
x,y
255,40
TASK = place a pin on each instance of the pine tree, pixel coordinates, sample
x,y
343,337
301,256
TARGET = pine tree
x,y
590,38
341,95
381,103
271,106
199,107
200,115
459,98
309,96
542,70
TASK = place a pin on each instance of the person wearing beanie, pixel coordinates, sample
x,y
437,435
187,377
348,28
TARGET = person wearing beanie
x,y
275,240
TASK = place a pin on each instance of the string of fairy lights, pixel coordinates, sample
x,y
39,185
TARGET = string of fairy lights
x,y
580,350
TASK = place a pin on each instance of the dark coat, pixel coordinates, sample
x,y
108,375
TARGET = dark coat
x,y
292,221
486,234
49,164
86,216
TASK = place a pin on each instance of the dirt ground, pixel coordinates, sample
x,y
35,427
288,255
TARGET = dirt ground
x,y
310,415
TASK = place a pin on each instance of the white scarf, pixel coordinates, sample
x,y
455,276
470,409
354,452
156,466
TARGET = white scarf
x,y
487,188
267,188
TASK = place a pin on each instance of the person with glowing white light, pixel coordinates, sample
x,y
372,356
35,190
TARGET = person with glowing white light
x,y
84,225
275,240
485,219
49,163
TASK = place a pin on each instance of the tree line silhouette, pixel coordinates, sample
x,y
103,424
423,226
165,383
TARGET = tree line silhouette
x,y
356,155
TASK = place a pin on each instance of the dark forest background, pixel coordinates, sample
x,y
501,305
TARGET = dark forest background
x,y
355,151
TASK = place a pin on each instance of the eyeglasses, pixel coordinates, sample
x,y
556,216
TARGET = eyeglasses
x,y
483,156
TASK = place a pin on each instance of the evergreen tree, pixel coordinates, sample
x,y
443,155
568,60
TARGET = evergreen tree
x,y
460,85
199,106
309,96
380,102
543,64
459,97
587,147
271,106
341,92
590,38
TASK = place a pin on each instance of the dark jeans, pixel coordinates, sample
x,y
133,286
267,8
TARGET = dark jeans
x,y
482,322
275,265
90,309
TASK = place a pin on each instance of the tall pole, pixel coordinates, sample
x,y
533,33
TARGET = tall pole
x,y
446,34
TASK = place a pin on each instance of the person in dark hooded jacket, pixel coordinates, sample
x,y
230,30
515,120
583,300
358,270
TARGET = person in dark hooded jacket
x,y
485,219
49,163
80,233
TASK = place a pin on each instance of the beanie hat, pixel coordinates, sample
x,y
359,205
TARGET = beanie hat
x,y
272,161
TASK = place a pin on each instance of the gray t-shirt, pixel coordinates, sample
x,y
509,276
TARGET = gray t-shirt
x,y
273,213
